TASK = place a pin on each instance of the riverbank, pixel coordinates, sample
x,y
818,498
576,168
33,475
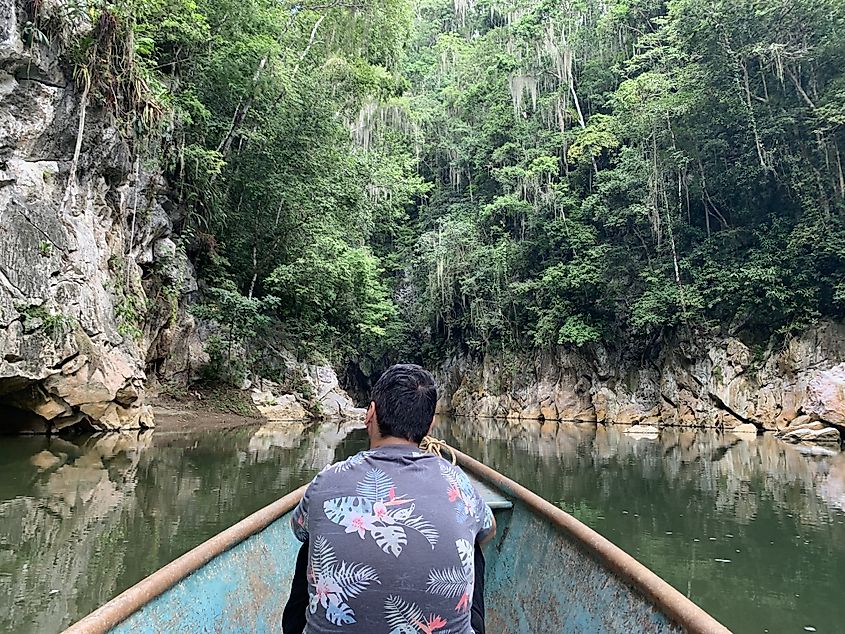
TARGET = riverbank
x,y
207,408
710,382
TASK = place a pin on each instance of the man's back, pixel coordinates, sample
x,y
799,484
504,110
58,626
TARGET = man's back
x,y
392,533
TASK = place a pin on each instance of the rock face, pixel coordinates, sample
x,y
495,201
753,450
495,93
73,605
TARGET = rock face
x,y
814,432
714,382
328,399
84,250
826,396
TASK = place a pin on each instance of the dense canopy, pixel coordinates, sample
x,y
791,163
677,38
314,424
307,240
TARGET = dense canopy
x,y
386,178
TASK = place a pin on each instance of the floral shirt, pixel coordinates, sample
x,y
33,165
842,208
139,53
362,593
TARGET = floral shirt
x,y
392,534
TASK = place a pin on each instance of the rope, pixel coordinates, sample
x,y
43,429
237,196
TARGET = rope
x,y
435,446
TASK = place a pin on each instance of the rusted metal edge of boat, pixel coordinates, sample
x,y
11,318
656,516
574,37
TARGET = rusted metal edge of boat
x,y
131,600
675,605
546,572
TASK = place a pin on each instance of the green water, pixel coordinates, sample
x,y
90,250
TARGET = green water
x,y
754,531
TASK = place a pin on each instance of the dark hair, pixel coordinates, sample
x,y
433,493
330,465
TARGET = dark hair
x,y
405,397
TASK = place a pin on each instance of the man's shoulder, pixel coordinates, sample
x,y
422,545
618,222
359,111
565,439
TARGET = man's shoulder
x,y
342,469
359,465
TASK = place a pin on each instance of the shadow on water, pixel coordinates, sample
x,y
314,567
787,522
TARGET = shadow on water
x,y
750,529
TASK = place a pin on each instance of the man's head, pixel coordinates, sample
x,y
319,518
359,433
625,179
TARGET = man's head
x,y
403,402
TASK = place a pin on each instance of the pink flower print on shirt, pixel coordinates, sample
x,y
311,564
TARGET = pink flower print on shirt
x,y
359,522
326,590
377,510
380,511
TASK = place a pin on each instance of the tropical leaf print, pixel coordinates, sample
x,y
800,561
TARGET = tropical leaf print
x,y
456,582
339,510
405,617
488,518
353,579
449,582
390,539
340,614
466,552
375,486
461,492
332,585
322,556
400,515
423,527
377,510
398,612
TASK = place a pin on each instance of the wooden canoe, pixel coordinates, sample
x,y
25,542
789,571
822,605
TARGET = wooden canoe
x,y
546,572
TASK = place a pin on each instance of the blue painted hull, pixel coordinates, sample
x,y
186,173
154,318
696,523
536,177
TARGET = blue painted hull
x,y
546,572
243,590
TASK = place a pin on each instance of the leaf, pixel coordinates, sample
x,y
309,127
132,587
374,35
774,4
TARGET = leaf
x,y
322,557
401,614
400,515
340,614
466,553
390,539
488,518
338,509
449,582
353,579
424,528
375,486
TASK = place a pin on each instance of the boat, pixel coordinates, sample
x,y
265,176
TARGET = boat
x,y
546,573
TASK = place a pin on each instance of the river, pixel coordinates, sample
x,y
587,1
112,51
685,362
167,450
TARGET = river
x,y
752,530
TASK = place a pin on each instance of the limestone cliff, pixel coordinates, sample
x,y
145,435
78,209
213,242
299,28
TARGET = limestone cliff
x,y
714,382
92,286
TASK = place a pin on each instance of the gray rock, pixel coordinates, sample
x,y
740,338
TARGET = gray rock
x,y
711,382
826,396
71,242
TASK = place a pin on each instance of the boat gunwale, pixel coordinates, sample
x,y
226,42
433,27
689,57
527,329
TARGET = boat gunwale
x,y
157,583
666,598
660,593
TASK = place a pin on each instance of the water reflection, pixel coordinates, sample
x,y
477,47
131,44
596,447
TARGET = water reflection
x,y
750,528
81,521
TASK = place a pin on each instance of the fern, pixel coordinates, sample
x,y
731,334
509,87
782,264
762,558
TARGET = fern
x,y
399,613
424,528
450,475
375,486
353,579
449,582
322,557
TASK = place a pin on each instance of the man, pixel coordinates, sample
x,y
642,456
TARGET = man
x,y
392,532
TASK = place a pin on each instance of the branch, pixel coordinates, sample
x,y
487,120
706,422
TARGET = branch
x,y
798,87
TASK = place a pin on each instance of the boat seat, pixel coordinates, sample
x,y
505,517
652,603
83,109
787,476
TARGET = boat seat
x,y
494,498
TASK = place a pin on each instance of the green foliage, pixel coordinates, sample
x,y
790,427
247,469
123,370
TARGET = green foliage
x,y
241,319
333,296
411,179
635,168
130,304
38,318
